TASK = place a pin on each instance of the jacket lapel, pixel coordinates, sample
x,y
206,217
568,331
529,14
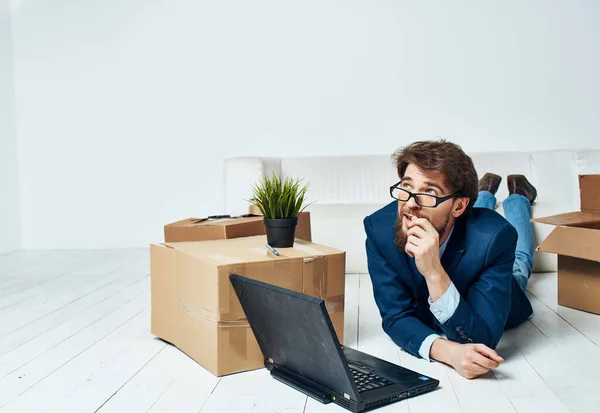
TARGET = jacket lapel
x,y
455,248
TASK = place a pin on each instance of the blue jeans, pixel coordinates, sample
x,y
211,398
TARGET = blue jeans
x,y
517,211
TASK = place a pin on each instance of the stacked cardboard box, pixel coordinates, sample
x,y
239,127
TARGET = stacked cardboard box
x,y
195,308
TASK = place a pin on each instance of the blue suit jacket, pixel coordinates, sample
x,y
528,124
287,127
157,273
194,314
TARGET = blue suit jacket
x,y
478,258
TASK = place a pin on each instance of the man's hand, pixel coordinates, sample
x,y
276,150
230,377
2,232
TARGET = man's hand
x,y
423,244
469,360
473,360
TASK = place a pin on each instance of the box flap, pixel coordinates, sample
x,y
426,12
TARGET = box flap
x,y
571,219
231,221
574,242
185,222
250,249
307,249
225,252
191,229
589,192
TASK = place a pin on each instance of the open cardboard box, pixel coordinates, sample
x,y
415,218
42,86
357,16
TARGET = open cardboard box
x,y
576,240
195,308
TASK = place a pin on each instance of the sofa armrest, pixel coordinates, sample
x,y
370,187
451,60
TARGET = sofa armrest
x,y
240,174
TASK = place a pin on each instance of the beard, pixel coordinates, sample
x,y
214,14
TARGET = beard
x,y
401,238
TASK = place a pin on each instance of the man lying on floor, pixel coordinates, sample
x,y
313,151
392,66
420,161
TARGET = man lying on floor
x,y
449,273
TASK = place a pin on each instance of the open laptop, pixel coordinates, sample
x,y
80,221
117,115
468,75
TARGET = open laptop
x,y
301,349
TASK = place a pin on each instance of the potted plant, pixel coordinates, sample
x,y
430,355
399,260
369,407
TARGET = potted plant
x,y
280,202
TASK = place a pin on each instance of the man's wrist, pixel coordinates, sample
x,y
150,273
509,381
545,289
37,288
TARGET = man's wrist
x,y
437,284
436,273
441,350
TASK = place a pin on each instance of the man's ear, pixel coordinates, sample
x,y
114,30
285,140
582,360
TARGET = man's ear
x,y
460,206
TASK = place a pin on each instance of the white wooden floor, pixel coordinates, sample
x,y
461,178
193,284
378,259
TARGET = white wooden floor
x,y
74,337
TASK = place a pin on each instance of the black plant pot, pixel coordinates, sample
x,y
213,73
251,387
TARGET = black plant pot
x,y
281,232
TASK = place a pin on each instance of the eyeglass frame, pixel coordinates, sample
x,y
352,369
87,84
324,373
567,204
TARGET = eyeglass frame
x,y
438,199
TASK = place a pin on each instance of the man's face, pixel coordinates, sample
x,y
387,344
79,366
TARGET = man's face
x,y
417,180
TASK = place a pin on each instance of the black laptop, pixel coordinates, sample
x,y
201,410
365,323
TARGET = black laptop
x,y
301,349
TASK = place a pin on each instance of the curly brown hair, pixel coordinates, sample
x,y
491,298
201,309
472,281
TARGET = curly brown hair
x,y
445,157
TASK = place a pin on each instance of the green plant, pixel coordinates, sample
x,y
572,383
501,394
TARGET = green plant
x,y
279,199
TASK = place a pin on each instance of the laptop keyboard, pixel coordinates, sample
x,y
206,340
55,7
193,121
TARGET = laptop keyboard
x,y
368,381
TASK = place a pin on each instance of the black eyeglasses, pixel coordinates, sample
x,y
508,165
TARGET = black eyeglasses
x,y
424,200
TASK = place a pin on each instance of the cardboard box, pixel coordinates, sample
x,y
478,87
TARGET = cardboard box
x,y
195,308
576,240
204,229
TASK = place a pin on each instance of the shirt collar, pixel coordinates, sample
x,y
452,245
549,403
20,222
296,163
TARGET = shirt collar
x,y
443,246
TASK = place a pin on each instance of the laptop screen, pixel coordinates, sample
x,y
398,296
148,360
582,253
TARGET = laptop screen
x,y
295,331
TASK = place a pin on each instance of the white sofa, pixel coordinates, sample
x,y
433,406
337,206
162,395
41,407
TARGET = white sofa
x,y
348,188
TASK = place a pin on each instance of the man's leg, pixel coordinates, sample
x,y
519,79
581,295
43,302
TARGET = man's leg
x,y
485,199
517,211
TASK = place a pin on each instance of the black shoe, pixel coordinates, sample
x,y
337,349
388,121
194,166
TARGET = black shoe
x,y
518,184
490,182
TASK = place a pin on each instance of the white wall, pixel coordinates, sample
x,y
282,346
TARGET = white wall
x,y
10,226
126,109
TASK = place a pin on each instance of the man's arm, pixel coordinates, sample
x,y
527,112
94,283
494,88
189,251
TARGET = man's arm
x,y
392,296
470,360
481,316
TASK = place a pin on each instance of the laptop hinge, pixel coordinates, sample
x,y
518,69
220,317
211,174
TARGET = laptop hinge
x,y
301,384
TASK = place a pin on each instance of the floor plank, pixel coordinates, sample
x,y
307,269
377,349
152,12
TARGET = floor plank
x,y
255,391
57,384
75,310
54,286
29,374
91,393
19,315
545,288
169,382
15,264
63,262
372,339
351,310
567,361
190,389
44,269
90,319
